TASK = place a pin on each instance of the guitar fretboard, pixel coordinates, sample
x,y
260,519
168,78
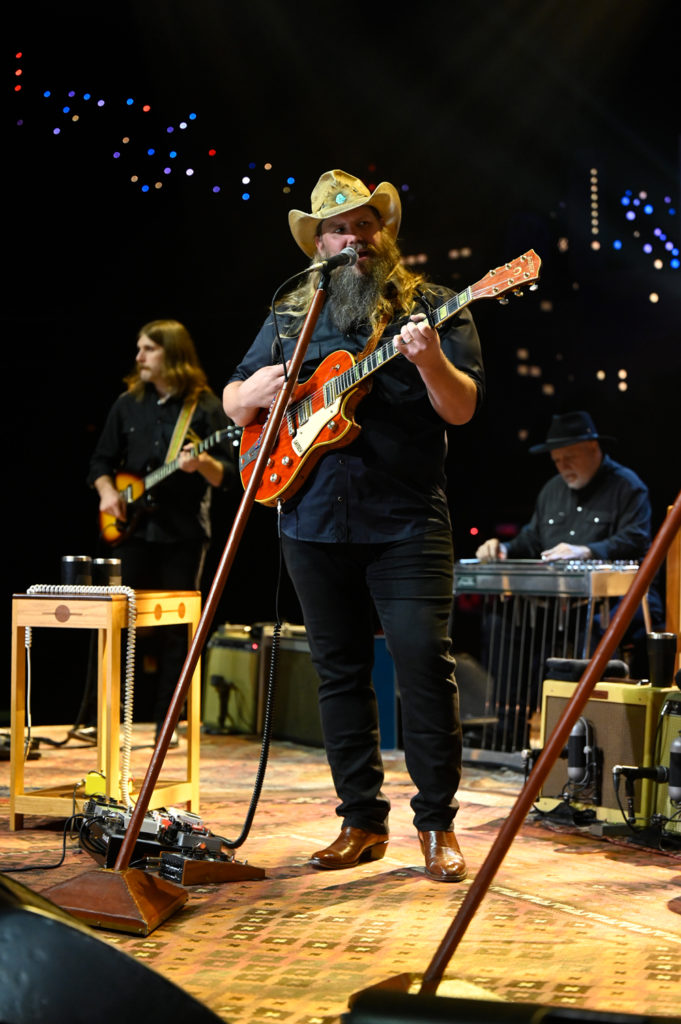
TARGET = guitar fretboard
x,y
167,468
337,386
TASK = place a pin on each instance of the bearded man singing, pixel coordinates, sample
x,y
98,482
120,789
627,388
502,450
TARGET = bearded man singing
x,y
367,539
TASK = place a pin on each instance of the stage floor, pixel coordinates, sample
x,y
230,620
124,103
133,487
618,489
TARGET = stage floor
x,y
571,919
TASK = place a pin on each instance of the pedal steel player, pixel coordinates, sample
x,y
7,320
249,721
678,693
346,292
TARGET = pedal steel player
x,y
593,508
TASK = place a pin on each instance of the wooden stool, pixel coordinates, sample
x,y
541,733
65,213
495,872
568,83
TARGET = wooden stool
x,y
107,613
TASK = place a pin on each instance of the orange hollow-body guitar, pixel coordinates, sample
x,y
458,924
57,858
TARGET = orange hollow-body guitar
x,y
135,491
320,413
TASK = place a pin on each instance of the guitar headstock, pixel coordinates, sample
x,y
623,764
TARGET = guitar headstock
x,y
513,276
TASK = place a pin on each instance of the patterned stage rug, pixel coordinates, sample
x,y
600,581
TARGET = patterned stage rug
x,y
571,920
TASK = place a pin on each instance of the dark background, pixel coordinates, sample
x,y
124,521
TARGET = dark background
x,y
493,116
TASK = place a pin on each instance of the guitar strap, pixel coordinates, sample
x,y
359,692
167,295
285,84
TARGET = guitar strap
x,y
181,428
376,336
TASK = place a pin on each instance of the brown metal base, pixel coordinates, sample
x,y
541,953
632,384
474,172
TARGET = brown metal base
x,y
124,901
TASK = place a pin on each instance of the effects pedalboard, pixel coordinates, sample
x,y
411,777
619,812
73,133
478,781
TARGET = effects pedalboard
x,y
174,842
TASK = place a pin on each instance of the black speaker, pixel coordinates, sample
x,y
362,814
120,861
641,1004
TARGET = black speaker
x,y
382,1006
53,969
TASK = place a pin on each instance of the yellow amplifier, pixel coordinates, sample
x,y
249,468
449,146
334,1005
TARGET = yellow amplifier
x,y
670,731
625,719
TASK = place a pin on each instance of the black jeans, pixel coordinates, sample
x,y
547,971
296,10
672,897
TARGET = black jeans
x,y
409,585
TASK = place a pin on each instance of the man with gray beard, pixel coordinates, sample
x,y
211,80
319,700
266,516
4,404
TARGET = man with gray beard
x,y
367,536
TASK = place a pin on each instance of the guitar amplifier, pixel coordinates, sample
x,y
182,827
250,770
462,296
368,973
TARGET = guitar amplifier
x,y
625,720
296,705
236,670
232,679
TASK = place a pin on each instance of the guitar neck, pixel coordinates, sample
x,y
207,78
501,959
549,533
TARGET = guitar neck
x,y
347,380
509,277
168,468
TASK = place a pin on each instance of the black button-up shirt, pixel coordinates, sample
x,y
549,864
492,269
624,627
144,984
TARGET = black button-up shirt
x,y
135,440
389,482
611,516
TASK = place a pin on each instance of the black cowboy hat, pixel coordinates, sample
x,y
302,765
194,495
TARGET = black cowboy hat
x,y
569,428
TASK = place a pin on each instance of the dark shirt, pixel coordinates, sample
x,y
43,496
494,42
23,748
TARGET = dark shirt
x,y
389,483
135,440
611,516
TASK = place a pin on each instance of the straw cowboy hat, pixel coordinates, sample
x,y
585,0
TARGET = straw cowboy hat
x,y
569,428
337,192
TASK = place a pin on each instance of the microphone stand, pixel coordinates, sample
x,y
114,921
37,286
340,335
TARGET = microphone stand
x,y
124,898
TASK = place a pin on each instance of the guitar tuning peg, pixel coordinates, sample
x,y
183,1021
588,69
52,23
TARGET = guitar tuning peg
x,y
533,287
517,291
503,301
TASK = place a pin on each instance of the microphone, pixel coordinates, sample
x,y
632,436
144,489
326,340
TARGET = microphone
x,y
658,773
578,749
346,257
675,770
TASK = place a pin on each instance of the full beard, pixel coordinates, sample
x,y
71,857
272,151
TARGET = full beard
x,y
353,297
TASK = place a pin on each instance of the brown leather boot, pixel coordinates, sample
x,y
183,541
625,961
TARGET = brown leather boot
x,y
444,860
352,846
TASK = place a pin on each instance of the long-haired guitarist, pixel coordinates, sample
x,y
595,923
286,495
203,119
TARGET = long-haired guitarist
x,y
164,447
365,521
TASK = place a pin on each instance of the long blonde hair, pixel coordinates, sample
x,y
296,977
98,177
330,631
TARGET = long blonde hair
x,y
182,370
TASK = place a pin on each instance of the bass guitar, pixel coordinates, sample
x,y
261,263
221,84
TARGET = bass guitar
x,y
135,491
320,413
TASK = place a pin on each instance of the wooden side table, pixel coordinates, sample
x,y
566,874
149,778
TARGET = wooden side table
x,y
108,614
